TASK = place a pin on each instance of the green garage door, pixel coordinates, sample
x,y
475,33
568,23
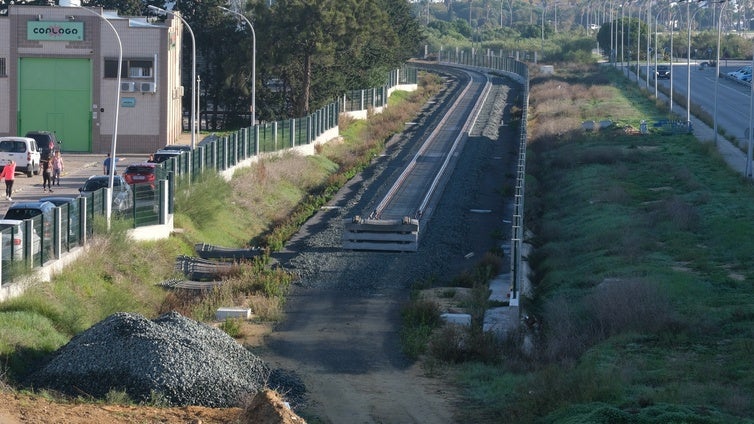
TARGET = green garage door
x,y
56,95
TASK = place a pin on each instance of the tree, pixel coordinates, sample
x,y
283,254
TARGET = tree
x,y
124,7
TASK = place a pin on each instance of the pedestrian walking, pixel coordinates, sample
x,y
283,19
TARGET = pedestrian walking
x,y
57,168
47,175
9,175
106,164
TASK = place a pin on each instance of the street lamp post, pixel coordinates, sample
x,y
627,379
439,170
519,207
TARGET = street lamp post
x,y
254,62
159,11
717,66
702,5
649,38
622,31
114,143
638,42
672,73
657,18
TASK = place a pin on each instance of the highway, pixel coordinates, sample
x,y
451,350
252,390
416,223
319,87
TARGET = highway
x,y
732,96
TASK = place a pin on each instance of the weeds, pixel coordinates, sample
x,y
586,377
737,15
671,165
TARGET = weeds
x,y
232,327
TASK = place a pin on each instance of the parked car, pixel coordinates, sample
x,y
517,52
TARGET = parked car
x,y
122,199
73,212
47,142
29,210
141,173
662,72
163,154
13,240
22,150
178,147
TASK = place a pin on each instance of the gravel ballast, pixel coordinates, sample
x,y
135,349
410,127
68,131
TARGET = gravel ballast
x,y
172,360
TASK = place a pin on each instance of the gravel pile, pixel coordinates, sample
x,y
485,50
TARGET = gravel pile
x,y
171,358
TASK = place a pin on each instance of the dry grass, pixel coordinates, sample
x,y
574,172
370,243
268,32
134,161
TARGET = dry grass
x,y
275,185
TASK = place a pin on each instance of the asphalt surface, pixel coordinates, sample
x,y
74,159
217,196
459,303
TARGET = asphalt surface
x,y
731,153
76,169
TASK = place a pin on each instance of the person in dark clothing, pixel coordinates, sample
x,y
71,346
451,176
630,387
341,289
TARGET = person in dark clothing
x,y
47,175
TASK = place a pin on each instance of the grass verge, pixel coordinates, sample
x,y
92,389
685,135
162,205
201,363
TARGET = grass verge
x,y
640,294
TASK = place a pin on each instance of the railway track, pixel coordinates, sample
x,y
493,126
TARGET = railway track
x,y
396,221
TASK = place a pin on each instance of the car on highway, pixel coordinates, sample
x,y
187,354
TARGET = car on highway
x,y
741,73
662,72
24,151
13,239
122,199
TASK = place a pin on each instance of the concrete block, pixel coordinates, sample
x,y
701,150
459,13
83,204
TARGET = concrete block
x,y
224,313
458,319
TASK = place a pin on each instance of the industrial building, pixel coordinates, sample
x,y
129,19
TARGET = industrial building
x,y
59,72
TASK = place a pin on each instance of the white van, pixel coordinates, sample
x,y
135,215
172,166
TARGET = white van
x,y
22,150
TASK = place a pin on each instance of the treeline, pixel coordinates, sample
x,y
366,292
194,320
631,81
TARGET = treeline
x,y
308,52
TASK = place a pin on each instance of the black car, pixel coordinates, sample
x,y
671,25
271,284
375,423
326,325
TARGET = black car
x,y
178,147
162,155
28,210
662,72
46,141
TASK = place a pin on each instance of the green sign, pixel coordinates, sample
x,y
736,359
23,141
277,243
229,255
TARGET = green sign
x,y
54,31
127,102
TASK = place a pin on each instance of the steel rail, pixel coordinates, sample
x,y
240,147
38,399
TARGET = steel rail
x,y
426,145
468,127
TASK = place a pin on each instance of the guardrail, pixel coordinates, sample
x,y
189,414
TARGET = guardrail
x,y
68,229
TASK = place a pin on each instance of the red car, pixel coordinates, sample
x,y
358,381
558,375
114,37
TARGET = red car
x,y
140,173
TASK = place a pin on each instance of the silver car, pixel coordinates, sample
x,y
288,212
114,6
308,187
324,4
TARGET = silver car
x,y
13,240
122,197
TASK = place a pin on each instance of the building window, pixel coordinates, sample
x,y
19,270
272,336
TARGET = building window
x,y
2,67
134,68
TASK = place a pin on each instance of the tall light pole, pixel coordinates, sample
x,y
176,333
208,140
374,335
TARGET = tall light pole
x,y
638,42
254,62
657,18
672,72
717,65
114,142
649,38
159,11
750,147
688,61
612,45
622,31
